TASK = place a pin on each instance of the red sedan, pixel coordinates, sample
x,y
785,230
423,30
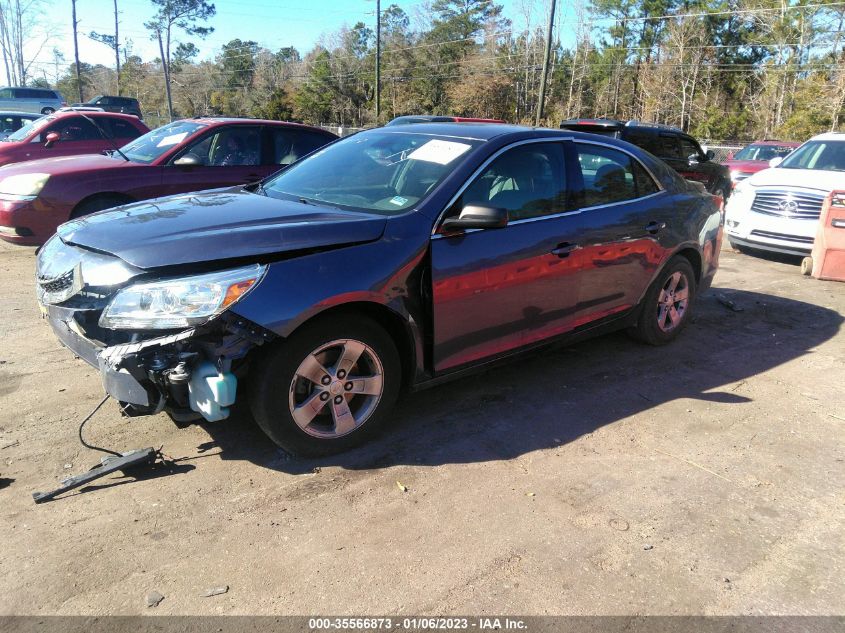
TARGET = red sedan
x,y
67,133
755,157
187,155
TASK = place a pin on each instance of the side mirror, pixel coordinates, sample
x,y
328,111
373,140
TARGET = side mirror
x,y
51,138
188,160
777,160
476,217
710,154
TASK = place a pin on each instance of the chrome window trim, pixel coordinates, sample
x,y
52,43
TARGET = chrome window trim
x,y
545,139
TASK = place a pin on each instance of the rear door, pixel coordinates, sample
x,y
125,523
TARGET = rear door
x,y
496,290
25,100
623,221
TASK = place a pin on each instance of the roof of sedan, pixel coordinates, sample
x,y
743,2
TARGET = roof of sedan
x,y
216,120
477,131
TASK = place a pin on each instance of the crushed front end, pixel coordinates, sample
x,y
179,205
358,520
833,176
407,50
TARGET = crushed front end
x,y
161,342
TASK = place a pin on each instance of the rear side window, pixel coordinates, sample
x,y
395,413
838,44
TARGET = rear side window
x,y
289,145
611,176
6,93
649,142
669,147
119,128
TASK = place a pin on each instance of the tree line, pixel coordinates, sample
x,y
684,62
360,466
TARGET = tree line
x,y
720,69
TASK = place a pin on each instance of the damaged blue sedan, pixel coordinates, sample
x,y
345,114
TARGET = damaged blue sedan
x,y
393,259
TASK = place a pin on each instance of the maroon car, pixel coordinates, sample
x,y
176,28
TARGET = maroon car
x,y
186,155
755,157
67,133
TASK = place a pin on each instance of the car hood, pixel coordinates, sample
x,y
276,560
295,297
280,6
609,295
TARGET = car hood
x,y
65,164
217,225
752,166
805,178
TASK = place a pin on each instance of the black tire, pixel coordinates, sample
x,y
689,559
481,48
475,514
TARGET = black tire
x,y
97,203
272,386
648,329
48,111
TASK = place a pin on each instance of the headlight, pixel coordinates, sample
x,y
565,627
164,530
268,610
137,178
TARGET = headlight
x,y
23,186
182,302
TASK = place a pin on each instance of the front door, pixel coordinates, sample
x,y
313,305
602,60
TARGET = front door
x,y
496,290
224,157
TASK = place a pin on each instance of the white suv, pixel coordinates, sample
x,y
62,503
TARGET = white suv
x,y
777,209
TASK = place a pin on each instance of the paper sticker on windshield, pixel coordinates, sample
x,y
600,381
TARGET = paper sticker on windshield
x,y
398,200
172,139
442,152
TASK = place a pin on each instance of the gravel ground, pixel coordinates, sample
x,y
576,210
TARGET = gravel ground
x,y
705,477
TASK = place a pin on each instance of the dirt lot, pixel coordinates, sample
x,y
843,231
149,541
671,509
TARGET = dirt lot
x,y
706,477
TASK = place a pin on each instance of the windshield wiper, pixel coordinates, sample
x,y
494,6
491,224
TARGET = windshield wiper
x,y
105,136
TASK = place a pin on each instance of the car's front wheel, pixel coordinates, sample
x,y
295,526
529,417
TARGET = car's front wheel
x,y
665,310
46,111
328,387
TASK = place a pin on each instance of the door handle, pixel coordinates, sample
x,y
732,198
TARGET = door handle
x,y
253,177
655,227
564,249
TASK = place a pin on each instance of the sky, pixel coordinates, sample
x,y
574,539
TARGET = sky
x,y
273,24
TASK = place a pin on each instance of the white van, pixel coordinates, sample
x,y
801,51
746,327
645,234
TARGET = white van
x,y
39,100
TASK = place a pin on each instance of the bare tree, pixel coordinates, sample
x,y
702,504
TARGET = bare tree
x,y
175,15
21,29
113,42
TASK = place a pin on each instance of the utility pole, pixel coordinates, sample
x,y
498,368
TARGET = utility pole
x,y
76,51
548,53
378,61
116,49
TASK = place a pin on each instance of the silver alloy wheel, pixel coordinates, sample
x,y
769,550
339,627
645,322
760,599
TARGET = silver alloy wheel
x,y
336,388
672,302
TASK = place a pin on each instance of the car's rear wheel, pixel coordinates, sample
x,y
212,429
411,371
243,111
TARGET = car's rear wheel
x,y
665,310
47,110
328,387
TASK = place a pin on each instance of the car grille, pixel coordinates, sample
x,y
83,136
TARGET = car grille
x,y
788,204
781,236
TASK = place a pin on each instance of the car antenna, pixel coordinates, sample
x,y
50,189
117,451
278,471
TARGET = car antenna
x,y
105,136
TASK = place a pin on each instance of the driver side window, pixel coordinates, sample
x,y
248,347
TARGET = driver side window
x,y
529,181
229,147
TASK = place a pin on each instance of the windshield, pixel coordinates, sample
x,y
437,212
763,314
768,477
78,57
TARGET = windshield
x,y
821,155
146,148
375,171
762,152
28,128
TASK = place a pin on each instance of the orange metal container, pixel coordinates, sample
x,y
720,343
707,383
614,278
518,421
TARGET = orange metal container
x,y
827,260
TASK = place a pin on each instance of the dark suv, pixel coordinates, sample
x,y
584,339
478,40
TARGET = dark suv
x,y
123,105
681,151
